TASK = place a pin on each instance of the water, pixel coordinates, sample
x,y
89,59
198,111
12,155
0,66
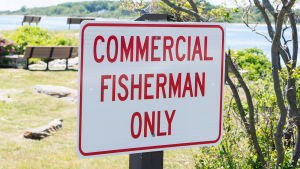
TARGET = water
x,y
51,23
238,36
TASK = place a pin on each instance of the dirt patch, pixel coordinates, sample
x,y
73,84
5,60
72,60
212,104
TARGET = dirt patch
x,y
6,94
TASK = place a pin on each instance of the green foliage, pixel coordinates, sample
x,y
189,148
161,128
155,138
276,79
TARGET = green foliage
x,y
28,35
236,149
254,61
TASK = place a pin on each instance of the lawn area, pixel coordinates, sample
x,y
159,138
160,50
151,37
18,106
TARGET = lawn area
x,y
27,109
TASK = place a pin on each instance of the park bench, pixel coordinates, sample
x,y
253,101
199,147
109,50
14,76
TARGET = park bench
x,y
77,20
50,52
30,19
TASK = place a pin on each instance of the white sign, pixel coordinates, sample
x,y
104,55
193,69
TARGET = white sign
x,y
149,86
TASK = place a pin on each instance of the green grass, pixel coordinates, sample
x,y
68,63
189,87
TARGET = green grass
x,y
30,110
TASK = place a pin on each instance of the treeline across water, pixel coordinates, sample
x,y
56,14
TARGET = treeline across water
x,y
112,9
105,9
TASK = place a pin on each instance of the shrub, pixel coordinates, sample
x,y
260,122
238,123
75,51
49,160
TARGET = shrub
x,y
6,46
253,60
36,36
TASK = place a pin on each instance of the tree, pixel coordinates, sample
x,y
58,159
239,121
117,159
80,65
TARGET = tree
x,y
283,80
23,9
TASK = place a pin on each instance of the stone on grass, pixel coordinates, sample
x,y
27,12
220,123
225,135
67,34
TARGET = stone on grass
x,y
44,131
57,91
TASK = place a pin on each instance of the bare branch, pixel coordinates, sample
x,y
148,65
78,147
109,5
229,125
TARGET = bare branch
x,y
251,109
171,5
275,48
194,8
253,28
270,8
294,38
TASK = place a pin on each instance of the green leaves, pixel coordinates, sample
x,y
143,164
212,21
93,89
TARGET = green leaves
x,y
36,36
254,61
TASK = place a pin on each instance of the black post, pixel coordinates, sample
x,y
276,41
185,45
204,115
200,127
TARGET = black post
x,y
67,64
155,159
151,160
47,64
27,63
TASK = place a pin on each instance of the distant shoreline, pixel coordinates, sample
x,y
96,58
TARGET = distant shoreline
x,y
56,16
133,18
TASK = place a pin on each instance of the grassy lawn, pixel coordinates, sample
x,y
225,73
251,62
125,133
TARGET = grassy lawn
x,y
29,110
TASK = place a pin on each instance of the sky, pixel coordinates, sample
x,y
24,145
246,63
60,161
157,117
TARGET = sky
x,y
13,5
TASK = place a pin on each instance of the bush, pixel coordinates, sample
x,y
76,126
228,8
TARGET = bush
x,y
6,46
35,36
236,149
253,60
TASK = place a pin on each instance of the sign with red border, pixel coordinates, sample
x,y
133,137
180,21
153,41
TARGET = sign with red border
x,y
149,86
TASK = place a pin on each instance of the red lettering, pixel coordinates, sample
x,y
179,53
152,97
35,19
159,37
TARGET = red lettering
x,y
169,120
151,125
108,47
139,86
142,50
205,50
147,85
165,47
95,49
197,51
114,88
174,87
198,83
161,85
135,136
123,76
177,44
187,85
128,49
158,126
189,48
103,87
153,47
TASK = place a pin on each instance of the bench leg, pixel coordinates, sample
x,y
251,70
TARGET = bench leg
x,y
67,64
27,63
47,64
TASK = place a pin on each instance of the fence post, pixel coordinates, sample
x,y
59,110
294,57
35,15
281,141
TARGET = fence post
x,y
155,159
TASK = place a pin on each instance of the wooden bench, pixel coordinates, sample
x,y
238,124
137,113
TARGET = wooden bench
x,y
31,19
77,20
50,52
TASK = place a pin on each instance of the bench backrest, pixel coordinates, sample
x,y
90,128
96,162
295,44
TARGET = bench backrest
x,y
30,19
53,52
77,20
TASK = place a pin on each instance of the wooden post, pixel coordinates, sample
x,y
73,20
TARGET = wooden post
x,y
155,159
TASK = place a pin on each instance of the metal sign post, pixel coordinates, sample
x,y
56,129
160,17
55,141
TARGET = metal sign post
x,y
150,160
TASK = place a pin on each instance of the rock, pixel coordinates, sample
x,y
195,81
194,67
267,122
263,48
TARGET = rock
x,y
47,130
73,61
57,91
57,63
41,62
